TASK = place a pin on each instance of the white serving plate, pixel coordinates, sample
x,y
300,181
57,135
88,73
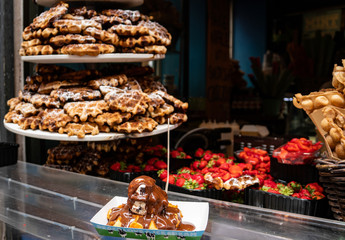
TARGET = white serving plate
x,y
99,137
101,58
127,3
193,212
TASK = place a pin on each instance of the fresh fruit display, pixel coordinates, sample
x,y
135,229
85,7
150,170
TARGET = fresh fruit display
x,y
297,151
311,191
255,156
157,150
153,164
180,154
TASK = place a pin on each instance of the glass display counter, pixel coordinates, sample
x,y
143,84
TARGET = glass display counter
x,y
44,203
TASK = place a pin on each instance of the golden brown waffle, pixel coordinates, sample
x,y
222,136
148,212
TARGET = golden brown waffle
x,y
161,120
129,30
176,118
85,109
51,69
112,20
103,146
141,41
155,101
13,102
75,94
47,87
112,118
13,117
160,111
338,80
45,18
316,100
28,34
53,119
131,84
31,122
154,49
172,100
39,100
37,50
102,35
157,31
113,81
61,40
66,26
31,43
80,129
66,152
149,84
27,109
135,102
133,16
72,17
92,49
137,125
31,87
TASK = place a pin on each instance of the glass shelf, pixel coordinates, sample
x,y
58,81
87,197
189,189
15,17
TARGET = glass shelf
x,y
51,203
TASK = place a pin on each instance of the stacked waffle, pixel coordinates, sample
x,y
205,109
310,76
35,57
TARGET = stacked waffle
x,y
82,31
58,99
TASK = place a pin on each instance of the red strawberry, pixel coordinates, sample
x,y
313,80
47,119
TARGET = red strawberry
x,y
185,175
163,173
151,161
171,179
271,190
297,195
204,170
160,164
199,152
220,161
207,156
180,182
148,168
202,164
180,149
195,165
224,166
175,154
199,178
226,176
116,166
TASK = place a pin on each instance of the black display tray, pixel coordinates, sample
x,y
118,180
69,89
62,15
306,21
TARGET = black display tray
x,y
8,153
302,174
129,176
280,202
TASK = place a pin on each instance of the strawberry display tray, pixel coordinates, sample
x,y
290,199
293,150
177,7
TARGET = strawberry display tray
x,y
280,202
8,153
129,176
193,212
303,174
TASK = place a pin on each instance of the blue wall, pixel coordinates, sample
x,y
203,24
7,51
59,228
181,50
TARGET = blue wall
x,y
249,28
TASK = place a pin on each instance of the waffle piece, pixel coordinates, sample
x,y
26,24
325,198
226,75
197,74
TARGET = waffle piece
x,y
31,87
53,119
176,118
129,30
154,49
92,49
112,20
83,11
13,102
113,81
172,100
141,41
31,122
334,124
72,17
51,69
135,102
338,80
163,110
133,16
102,35
80,129
75,26
39,100
29,34
46,17
137,125
46,88
75,94
26,109
155,100
149,84
103,146
66,152
31,43
157,31
85,109
112,118
131,84
316,100
37,50
61,40
13,117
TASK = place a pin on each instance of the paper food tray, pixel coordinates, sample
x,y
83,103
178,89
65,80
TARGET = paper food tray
x,y
193,212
